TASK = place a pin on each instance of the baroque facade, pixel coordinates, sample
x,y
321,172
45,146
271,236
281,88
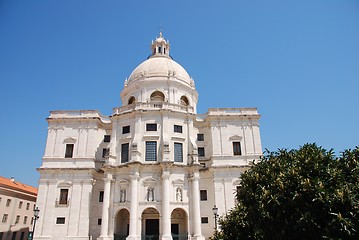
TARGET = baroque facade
x,y
154,169
17,202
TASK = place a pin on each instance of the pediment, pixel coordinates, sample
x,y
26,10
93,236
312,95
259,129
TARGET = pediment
x,y
235,138
70,140
150,181
64,184
178,182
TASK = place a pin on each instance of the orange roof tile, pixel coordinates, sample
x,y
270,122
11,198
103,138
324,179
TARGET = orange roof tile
x,y
17,185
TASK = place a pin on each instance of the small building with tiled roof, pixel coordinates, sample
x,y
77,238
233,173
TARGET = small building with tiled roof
x,y
17,202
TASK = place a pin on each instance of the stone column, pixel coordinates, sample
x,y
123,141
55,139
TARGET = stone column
x,y
166,215
133,207
105,208
196,213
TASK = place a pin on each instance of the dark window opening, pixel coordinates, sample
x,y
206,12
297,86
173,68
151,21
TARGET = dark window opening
x,y
60,220
105,152
151,127
157,96
237,148
99,221
100,198
131,100
107,138
178,152
124,152
69,150
177,128
201,152
203,195
125,129
64,193
200,137
151,151
17,220
184,101
204,220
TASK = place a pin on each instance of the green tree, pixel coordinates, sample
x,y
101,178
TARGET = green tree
x,y
297,194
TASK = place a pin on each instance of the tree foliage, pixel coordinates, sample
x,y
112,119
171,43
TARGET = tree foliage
x,y
297,194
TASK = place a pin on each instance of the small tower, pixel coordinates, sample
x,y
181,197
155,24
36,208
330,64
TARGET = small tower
x,y
160,47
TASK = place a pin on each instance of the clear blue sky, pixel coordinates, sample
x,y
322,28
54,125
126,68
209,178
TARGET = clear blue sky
x,y
296,61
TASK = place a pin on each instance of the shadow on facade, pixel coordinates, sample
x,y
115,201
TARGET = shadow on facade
x,y
20,234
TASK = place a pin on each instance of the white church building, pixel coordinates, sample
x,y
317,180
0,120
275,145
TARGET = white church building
x,y
154,169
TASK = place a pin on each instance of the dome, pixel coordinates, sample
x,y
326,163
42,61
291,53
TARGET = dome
x,y
160,67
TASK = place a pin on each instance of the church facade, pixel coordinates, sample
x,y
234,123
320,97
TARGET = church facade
x,y
154,169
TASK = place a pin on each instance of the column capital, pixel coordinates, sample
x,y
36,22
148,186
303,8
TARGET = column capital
x,y
194,176
166,175
135,176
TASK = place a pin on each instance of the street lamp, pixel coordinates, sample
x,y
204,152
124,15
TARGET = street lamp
x,y
215,212
35,217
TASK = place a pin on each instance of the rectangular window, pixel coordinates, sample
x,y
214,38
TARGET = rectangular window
x,y
107,138
8,202
105,152
25,220
178,152
124,152
125,129
177,128
151,127
200,137
204,219
203,194
100,197
22,236
60,220
201,152
151,151
17,220
20,204
63,196
237,148
69,150
27,206
4,218
99,221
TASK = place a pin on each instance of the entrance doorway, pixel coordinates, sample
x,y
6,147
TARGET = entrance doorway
x,y
179,226
150,224
175,231
152,229
122,225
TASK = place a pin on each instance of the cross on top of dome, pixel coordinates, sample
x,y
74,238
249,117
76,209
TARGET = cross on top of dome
x,y
160,47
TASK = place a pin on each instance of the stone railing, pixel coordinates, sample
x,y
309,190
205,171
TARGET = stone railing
x,y
152,106
79,114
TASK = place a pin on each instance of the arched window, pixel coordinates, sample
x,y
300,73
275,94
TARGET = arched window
x,y
131,100
157,96
184,101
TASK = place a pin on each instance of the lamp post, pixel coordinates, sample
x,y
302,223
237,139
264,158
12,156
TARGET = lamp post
x,y
35,217
215,212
